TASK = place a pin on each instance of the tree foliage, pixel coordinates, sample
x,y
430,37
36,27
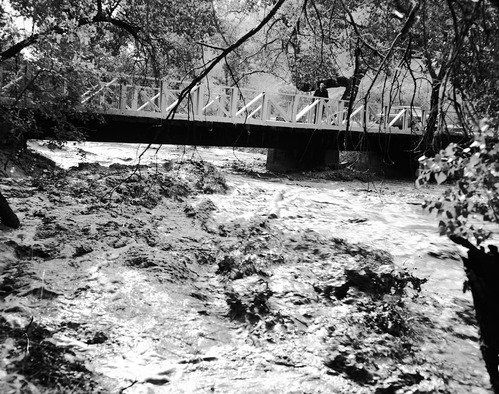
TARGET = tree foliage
x,y
70,46
405,51
158,35
470,216
469,209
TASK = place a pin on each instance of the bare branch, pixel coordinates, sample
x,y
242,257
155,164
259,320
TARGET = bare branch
x,y
16,48
221,57
204,44
411,19
224,54
130,28
357,32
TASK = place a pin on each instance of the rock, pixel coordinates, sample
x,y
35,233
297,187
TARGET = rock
x,y
355,371
99,337
32,251
121,242
82,250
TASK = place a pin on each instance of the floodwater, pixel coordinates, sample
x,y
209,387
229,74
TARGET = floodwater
x,y
383,215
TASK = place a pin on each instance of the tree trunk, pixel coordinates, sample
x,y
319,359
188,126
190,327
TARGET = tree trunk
x,y
428,145
353,84
482,271
7,216
353,87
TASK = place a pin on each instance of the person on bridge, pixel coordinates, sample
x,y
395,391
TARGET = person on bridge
x,y
322,91
322,94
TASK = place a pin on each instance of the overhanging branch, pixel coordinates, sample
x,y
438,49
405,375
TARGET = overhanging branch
x,y
98,18
224,54
219,58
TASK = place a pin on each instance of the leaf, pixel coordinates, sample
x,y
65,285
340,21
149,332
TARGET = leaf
x,y
440,177
449,151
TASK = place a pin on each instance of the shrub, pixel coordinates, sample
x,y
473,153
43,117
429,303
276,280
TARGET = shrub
x,y
470,207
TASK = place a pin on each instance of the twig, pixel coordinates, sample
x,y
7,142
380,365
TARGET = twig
x,y
127,387
28,343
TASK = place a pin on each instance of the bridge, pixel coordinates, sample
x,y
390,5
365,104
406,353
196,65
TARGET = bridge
x,y
301,131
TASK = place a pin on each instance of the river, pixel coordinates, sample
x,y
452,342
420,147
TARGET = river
x,y
384,215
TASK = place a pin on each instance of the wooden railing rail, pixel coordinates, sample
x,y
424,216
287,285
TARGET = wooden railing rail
x,y
159,97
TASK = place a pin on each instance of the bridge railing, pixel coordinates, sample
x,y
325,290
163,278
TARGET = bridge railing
x,y
149,97
400,119
256,107
13,86
230,104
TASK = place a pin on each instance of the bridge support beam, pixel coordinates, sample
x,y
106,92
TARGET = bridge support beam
x,y
401,164
288,160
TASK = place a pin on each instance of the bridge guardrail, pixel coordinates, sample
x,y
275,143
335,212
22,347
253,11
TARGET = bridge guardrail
x,y
136,96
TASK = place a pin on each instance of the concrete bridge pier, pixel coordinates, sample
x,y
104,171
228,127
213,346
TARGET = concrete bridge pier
x,y
399,164
289,160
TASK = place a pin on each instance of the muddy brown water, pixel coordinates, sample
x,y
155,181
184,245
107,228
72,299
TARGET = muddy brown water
x,y
155,338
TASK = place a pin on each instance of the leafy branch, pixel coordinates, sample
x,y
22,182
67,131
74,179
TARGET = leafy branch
x,y
470,208
99,17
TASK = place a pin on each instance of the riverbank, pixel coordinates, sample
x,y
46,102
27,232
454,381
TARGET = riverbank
x,y
182,276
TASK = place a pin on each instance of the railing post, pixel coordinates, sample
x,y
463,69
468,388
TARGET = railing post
x,y
310,118
198,102
233,100
122,102
163,97
135,97
365,116
319,109
294,108
423,119
222,100
263,112
102,98
341,112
